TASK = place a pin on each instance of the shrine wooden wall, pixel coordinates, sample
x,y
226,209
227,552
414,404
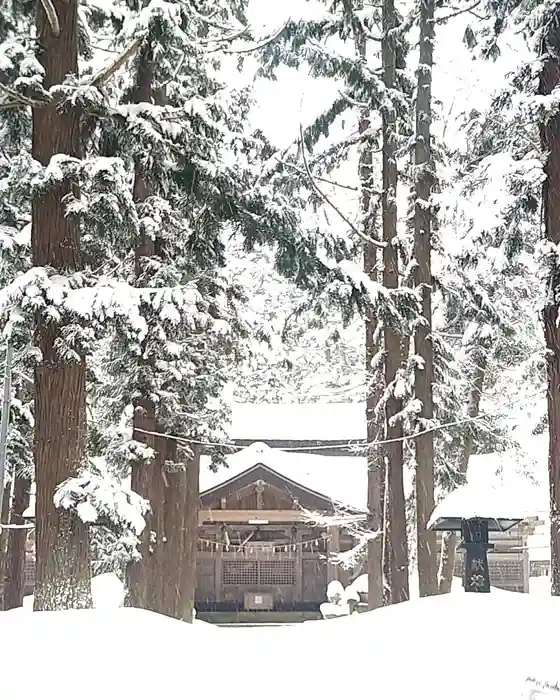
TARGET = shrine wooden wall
x,y
295,571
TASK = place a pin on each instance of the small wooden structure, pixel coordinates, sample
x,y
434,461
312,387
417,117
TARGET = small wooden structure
x,y
259,556
508,562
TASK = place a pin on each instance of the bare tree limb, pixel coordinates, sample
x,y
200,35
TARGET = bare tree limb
x,y
105,73
328,201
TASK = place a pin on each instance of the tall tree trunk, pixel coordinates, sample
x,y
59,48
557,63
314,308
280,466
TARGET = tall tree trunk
x,y
140,584
550,142
164,579
63,573
190,486
396,508
4,515
375,459
14,574
423,178
450,540
139,575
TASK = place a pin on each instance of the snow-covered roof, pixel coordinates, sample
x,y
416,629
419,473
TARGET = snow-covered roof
x,y
522,472
493,503
341,479
317,421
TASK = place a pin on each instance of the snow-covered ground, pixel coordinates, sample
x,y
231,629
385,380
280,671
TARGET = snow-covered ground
x,y
446,648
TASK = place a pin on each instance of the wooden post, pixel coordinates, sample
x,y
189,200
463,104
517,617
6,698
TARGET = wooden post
x,y
298,594
333,547
218,576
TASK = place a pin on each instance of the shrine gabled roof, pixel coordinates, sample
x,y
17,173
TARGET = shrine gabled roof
x,y
315,480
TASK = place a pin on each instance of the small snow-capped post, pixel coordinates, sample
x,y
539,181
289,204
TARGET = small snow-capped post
x,y
453,514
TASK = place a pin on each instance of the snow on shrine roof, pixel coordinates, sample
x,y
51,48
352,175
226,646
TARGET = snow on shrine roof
x,y
494,503
522,473
343,480
317,421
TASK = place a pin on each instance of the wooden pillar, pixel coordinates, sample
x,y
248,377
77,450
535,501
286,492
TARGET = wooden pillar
x,y
333,547
526,560
298,593
218,576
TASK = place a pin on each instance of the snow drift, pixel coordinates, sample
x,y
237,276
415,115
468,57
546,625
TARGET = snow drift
x,y
422,649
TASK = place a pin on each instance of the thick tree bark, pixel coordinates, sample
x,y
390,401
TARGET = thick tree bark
x,y
14,574
426,541
450,540
62,573
550,142
164,579
395,526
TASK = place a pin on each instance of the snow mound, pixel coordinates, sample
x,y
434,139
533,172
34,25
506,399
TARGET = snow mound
x,y
93,651
425,638
107,591
407,651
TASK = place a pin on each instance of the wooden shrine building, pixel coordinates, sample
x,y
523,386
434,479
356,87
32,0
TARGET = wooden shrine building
x,y
260,556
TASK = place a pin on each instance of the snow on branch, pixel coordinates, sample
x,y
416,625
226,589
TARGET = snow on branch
x,y
354,524
101,499
69,299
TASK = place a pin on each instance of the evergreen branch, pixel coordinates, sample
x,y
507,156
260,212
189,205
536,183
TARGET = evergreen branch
x,y
11,105
105,73
317,177
459,11
207,19
19,100
351,101
263,43
327,201
345,144
52,17
320,127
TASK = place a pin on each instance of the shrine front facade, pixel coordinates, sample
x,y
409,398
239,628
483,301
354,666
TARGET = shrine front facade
x,y
260,555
